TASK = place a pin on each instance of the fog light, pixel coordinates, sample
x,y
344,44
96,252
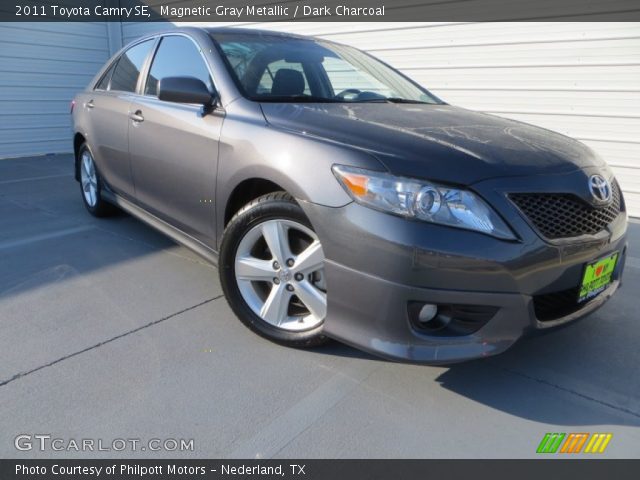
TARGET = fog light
x,y
427,313
447,319
430,319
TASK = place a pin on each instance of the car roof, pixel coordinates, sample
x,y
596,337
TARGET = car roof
x,y
213,31
251,31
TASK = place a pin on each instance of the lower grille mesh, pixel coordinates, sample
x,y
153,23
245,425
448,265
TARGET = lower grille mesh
x,y
551,306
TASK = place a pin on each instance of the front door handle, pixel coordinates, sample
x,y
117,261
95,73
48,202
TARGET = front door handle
x,y
137,116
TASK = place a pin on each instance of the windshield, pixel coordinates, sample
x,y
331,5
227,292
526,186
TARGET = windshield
x,y
271,68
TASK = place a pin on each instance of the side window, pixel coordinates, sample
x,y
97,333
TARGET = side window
x,y
177,56
125,75
103,84
266,82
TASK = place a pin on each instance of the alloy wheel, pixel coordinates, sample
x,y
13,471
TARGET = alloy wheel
x,y
88,179
279,270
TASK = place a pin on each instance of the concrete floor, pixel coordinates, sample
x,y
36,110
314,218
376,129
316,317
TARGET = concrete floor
x,y
109,330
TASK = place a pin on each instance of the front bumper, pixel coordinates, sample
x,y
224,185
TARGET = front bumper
x,y
378,263
373,317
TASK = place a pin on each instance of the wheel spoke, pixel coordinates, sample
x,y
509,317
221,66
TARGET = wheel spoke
x,y
86,165
311,258
251,268
276,306
313,299
275,234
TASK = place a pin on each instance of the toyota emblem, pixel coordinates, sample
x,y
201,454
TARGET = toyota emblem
x,y
600,188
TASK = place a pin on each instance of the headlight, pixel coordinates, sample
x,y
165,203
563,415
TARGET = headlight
x,y
421,200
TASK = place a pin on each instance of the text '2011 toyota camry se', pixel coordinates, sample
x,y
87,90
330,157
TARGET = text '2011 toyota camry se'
x,y
342,200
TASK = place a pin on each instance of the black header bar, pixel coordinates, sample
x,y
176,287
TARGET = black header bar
x,y
317,469
318,10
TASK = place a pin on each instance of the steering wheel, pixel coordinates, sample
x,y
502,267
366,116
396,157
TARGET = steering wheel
x,y
355,91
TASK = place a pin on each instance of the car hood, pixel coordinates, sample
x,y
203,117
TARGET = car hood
x,y
436,142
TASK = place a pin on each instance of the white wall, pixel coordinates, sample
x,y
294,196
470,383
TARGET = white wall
x,y
42,65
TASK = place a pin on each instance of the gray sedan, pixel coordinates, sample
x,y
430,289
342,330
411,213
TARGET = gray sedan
x,y
342,200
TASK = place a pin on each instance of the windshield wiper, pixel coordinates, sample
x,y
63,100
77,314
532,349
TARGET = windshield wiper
x,y
405,100
296,99
315,99
391,100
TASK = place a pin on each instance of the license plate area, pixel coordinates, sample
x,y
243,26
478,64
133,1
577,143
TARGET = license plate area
x,y
597,276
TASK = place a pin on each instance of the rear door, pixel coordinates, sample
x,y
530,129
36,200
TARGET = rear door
x,y
174,147
107,109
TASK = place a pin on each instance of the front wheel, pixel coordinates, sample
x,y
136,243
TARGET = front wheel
x,y
272,271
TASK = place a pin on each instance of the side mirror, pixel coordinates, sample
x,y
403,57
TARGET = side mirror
x,y
185,90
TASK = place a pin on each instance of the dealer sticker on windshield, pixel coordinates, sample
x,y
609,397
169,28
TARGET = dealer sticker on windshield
x,y
597,277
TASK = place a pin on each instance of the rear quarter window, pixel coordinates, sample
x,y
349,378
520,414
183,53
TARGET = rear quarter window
x,y
103,84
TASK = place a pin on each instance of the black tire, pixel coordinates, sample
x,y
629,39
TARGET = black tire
x,y
102,208
277,205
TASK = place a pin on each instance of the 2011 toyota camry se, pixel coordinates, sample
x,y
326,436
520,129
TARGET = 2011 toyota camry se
x,y
342,200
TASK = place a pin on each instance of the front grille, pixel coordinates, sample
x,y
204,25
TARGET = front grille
x,y
551,306
561,215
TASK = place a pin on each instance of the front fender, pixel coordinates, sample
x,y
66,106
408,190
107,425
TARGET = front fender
x,y
298,163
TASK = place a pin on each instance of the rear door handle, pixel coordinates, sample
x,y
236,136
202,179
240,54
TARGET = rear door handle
x,y
137,116
89,104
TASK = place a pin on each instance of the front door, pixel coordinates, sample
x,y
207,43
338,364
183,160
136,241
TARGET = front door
x,y
173,147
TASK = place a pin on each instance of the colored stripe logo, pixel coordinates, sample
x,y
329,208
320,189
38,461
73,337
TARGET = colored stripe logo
x,y
550,443
574,443
598,443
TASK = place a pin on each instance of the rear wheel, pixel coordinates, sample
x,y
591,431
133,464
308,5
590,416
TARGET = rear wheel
x,y
272,271
91,185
